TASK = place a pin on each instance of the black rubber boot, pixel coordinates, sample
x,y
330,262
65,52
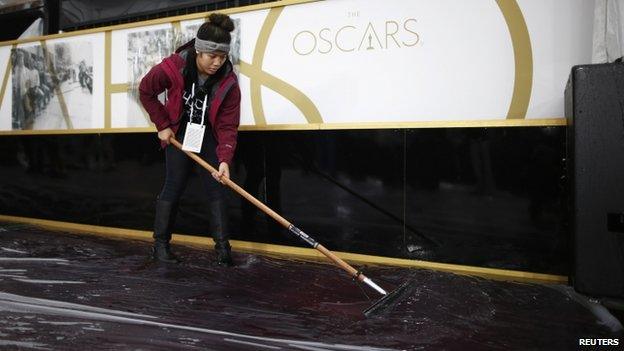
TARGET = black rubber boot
x,y
163,224
224,257
162,252
219,227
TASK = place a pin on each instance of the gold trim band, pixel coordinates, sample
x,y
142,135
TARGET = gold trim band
x,y
523,58
500,123
548,122
118,88
78,131
490,273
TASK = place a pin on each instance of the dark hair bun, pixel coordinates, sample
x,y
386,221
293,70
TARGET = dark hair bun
x,y
222,21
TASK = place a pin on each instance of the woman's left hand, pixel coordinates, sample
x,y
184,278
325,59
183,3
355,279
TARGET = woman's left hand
x,y
224,172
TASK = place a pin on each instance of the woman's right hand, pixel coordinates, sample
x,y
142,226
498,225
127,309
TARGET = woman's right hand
x,y
165,135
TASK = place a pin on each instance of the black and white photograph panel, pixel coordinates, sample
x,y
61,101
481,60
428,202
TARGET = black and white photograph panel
x,y
145,49
189,32
235,45
52,86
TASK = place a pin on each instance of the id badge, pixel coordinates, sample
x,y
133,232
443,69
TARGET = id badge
x,y
193,137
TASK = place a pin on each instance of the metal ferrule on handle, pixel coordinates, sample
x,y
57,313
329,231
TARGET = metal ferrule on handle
x,y
305,237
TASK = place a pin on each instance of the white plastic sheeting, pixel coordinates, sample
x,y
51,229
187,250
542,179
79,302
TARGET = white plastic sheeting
x,y
34,30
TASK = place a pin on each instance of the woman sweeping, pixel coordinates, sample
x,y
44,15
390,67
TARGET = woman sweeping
x,y
202,106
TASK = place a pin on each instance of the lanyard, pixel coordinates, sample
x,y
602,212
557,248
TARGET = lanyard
x,y
193,105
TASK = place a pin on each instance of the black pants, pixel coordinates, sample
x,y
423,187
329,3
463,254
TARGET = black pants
x,y
179,165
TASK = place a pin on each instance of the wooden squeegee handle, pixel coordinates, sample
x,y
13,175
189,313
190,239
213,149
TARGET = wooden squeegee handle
x,y
281,220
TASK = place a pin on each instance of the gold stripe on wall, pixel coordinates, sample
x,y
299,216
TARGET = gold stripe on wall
x,y
118,88
7,73
298,252
57,88
79,131
523,58
547,122
107,78
257,61
258,78
292,94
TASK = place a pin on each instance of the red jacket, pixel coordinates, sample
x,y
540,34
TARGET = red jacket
x,y
224,112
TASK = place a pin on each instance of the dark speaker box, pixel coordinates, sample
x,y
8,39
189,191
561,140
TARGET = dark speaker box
x,y
594,104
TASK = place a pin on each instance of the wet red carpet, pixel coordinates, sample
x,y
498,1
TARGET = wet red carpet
x,y
61,291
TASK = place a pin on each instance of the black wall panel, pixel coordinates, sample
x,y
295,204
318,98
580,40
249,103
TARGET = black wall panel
x,y
481,196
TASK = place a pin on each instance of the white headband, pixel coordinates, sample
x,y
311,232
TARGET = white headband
x,y
210,46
